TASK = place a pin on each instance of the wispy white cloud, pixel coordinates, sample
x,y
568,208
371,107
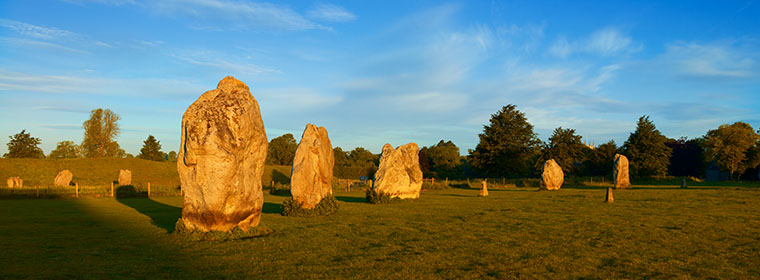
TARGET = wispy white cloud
x,y
605,42
720,60
39,44
332,13
256,15
216,60
294,99
104,2
35,31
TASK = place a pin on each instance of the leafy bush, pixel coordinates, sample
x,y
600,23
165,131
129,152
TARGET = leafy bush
x,y
128,191
325,207
376,197
236,233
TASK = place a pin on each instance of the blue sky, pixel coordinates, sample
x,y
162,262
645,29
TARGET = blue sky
x,y
381,72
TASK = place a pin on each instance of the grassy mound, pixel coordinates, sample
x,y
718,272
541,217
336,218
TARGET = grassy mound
x,y
326,206
376,197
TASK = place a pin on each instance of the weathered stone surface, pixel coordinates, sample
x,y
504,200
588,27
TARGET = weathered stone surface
x,y
620,172
15,182
483,188
311,176
399,173
221,159
552,176
63,178
125,177
609,198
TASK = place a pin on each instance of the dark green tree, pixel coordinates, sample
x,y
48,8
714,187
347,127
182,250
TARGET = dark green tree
x,y
646,150
65,149
688,157
425,164
23,145
507,145
565,147
282,150
151,150
599,161
444,155
734,147
357,163
172,156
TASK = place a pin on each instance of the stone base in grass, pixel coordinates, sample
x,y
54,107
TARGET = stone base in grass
x,y
182,231
326,206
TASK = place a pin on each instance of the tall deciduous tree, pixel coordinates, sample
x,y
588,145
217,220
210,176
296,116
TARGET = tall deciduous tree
x,y
646,150
507,145
100,133
151,150
733,147
599,161
565,147
688,157
65,149
444,155
282,150
23,145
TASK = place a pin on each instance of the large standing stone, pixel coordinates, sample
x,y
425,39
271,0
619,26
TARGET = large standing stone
x,y
63,178
221,159
125,177
15,182
620,172
312,173
552,176
399,174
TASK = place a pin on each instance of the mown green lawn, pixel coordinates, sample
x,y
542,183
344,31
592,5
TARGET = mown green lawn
x,y
651,232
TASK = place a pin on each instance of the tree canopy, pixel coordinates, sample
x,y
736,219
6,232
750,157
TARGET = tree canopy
x,y
646,150
733,147
151,150
65,149
599,161
282,150
100,133
507,145
23,145
354,164
565,147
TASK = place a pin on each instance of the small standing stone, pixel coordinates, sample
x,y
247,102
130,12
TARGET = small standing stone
x,y
609,198
683,183
63,179
125,177
15,182
483,189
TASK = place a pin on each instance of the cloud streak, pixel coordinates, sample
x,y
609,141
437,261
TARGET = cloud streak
x,y
716,60
331,13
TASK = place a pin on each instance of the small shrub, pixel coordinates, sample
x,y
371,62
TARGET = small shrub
x,y
126,191
236,233
326,206
376,197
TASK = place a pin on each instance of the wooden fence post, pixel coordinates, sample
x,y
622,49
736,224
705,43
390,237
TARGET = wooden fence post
x,y
271,189
111,188
37,188
148,189
432,181
447,181
76,185
503,181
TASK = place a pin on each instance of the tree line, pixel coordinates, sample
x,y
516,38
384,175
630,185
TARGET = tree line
x,y
508,147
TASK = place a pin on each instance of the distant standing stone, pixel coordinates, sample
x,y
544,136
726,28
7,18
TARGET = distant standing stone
x,y
620,172
63,179
683,183
125,177
399,173
221,159
483,188
15,182
312,173
552,176
609,198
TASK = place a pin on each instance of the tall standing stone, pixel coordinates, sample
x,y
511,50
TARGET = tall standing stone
x,y
312,173
552,176
399,174
15,182
620,172
221,159
63,179
483,188
125,177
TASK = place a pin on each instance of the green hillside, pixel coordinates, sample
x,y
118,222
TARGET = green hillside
x,y
101,171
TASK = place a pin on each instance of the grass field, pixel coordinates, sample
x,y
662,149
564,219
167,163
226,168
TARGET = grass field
x,y
648,232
